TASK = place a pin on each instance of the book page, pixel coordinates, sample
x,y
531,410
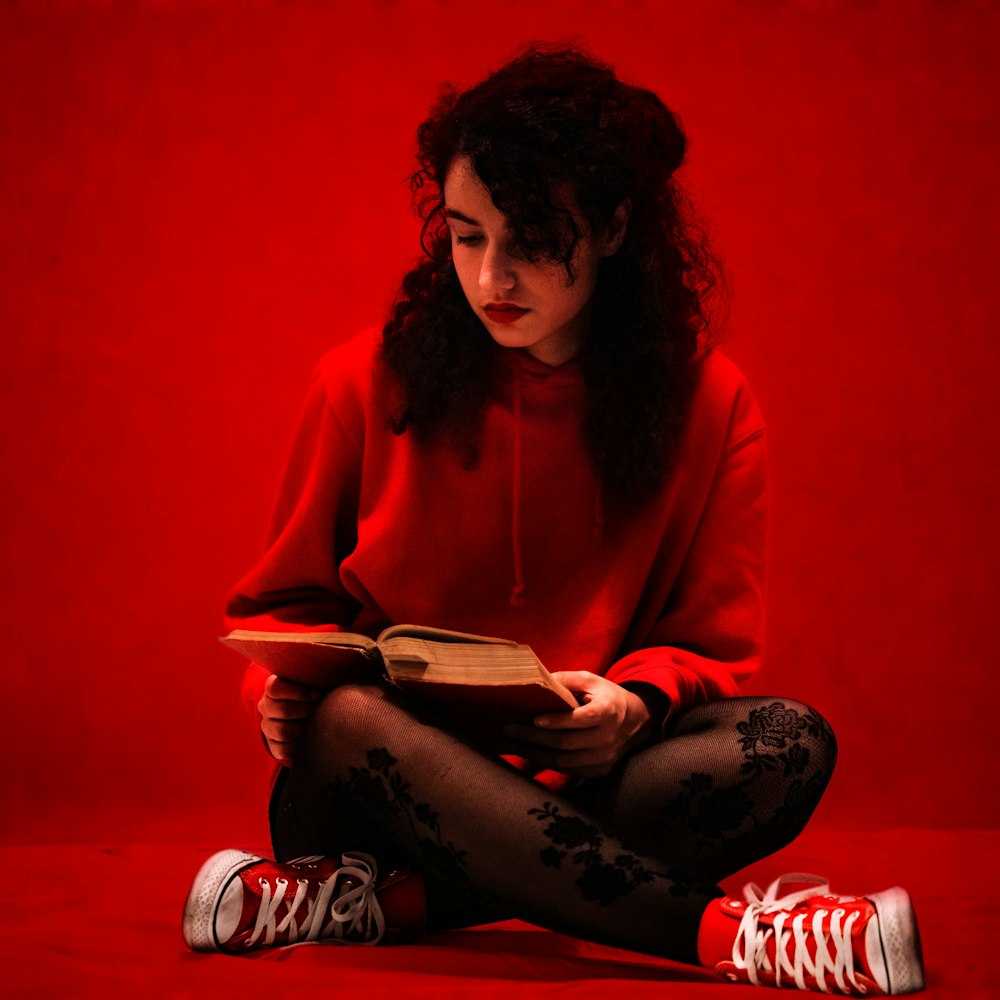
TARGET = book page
x,y
462,661
321,664
440,635
352,639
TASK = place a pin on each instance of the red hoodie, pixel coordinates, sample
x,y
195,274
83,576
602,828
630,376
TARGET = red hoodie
x,y
372,529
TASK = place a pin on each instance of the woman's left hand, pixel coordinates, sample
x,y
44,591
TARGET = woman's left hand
x,y
588,741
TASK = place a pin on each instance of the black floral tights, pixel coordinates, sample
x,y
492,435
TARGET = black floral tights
x,y
630,860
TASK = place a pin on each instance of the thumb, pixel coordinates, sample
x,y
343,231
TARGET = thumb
x,y
577,680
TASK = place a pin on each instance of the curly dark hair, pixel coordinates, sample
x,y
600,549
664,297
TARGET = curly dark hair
x,y
557,119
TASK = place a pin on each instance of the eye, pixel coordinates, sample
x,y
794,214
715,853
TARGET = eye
x,y
467,241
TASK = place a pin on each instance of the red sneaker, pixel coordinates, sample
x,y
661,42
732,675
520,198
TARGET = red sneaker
x,y
814,940
240,902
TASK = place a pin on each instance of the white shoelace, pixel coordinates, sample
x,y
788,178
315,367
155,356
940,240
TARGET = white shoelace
x,y
834,953
356,910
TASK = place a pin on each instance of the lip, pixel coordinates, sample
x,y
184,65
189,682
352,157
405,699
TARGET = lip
x,y
504,312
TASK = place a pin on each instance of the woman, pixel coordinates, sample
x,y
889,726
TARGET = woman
x,y
542,445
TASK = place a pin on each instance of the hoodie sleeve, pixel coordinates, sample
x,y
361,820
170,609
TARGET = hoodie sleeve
x,y
296,584
709,636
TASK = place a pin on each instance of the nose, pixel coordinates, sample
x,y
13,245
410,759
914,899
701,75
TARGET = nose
x,y
498,271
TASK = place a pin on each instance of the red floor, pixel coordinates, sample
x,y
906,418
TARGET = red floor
x,y
89,921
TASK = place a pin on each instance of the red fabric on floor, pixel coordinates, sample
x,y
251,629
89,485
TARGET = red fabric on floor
x,y
91,921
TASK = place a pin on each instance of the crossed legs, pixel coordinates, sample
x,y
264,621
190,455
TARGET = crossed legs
x,y
629,860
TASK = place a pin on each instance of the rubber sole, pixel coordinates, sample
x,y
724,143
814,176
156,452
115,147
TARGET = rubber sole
x,y
900,940
206,891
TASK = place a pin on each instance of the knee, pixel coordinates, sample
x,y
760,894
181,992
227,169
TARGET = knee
x,y
816,734
796,746
808,756
345,712
818,756
350,699
794,728
789,734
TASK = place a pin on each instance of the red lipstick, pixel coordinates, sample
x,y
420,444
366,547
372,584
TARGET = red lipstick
x,y
504,312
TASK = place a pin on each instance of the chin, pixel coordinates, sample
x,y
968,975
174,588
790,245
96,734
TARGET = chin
x,y
506,336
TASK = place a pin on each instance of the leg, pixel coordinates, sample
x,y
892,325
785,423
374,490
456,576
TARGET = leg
x,y
735,781
494,837
309,817
481,827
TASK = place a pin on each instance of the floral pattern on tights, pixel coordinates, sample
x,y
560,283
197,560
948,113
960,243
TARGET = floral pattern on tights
x,y
381,788
601,881
772,744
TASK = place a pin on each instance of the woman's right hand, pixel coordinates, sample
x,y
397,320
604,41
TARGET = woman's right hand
x,y
284,712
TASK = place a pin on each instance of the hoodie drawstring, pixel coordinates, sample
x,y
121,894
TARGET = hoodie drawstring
x,y
517,594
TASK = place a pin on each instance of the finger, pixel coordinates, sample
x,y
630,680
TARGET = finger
x,y
281,731
568,739
585,717
578,681
271,709
572,762
282,689
284,753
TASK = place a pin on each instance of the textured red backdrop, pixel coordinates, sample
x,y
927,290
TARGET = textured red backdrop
x,y
197,200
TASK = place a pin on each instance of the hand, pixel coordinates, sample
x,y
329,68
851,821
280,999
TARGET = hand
x,y
588,741
284,712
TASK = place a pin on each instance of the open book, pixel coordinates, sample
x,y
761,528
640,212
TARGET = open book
x,y
470,677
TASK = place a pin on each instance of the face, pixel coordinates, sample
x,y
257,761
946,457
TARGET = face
x,y
521,304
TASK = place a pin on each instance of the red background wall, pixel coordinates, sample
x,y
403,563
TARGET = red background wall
x,y
196,200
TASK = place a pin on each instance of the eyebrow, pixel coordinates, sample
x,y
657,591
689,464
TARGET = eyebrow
x,y
452,213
